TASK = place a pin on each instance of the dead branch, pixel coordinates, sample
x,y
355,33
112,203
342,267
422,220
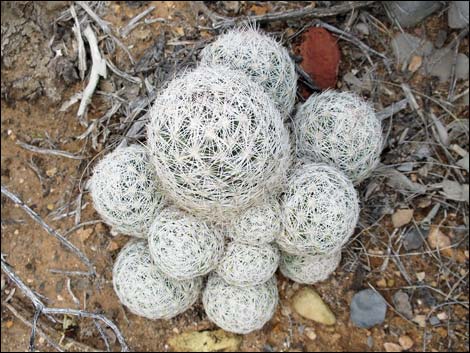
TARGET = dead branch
x,y
40,332
122,74
294,14
134,22
98,69
40,308
49,229
105,27
365,48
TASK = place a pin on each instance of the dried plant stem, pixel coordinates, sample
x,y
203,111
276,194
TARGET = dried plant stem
x,y
98,69
81,47
135,21
41,150
104,26
40,308
294,14
49,229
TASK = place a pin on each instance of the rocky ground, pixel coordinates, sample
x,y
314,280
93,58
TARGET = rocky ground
x,y
408,260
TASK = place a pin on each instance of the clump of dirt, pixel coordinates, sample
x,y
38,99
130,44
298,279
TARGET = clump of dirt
x,y
320,56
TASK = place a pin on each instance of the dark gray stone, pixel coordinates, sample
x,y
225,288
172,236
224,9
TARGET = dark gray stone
x,y
368,308
425,296
410,13
413,239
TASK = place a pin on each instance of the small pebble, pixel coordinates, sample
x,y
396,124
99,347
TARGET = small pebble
x,y
420,276
442,316
392,347
440,39
362,28
433,320
310,333
370,342
406,342
307,303
420,320
401,300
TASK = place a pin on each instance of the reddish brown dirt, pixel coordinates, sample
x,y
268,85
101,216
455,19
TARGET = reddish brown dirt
x,y
320,56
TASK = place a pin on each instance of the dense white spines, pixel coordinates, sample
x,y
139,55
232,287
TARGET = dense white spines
x,y
246,265
183,246
145,290
341,129
259,224
309,269
240,310
217,141
124,190
260,57
320,210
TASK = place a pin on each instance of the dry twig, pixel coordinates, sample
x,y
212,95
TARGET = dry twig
x,y
41,150
98,69
49,229
292,14
40,308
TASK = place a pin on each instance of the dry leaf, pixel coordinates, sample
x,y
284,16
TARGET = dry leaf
x,y
258,10
402,183
453,190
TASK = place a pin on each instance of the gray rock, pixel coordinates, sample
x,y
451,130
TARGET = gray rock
x,y
413,240
440,38
458,14
368,308
440,64
410,13
405,45
401,300
433,320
